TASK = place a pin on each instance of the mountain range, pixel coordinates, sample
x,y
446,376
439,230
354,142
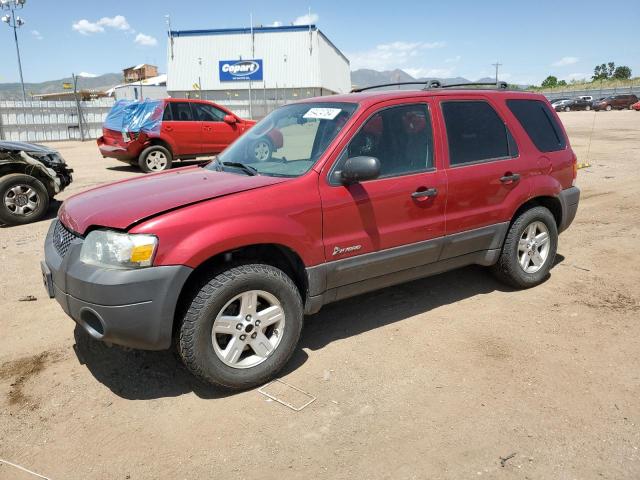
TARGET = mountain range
x,y
359,78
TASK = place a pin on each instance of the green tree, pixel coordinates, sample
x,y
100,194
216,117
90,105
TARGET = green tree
x,y
562,83
622,72
600,72
550,82
611,67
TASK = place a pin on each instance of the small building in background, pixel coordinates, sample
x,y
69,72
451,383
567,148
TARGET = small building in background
x,y
83,95
154,88
254,70
139,73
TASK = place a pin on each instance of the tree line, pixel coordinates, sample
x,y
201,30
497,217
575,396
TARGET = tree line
x,y
604,71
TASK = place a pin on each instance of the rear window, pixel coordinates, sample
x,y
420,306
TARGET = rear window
x,y
539,123
476,133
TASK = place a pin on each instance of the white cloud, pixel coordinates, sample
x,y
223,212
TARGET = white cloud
x,y
429,72
307,19
85,27
146,40
455,59
36,34
390,55
87,75
118,22
276,23
564,61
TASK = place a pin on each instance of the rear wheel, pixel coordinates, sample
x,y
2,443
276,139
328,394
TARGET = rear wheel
x,y
567,109
529,249
155,158
24,199
587,108
608,108
242,326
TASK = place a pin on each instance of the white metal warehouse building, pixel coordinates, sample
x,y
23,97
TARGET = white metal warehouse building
x,y
253,70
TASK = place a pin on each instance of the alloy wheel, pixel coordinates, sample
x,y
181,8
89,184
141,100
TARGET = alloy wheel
x,y
21,200
262,151
248,329
156,161
534,247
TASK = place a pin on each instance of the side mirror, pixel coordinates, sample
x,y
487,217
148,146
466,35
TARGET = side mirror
x,y
359,169
230,119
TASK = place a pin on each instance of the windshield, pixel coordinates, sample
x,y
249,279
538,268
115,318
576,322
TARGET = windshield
x,y
288,141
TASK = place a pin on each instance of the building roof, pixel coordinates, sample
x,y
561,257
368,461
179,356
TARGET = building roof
x,y
245,30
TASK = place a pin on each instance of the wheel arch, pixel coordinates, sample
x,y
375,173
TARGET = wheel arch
x,y
275,255
552,204
162,142
26,169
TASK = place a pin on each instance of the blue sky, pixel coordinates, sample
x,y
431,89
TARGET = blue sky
x,y
531,39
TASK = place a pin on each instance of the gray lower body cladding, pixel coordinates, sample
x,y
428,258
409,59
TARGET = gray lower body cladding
x,y
352,276
134,308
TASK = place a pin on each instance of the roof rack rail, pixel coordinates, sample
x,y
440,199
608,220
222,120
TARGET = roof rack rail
x,y
429,84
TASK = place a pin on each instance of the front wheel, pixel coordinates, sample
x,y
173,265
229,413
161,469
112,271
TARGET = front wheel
x,y
24,199
262,150
155,158
608,108
587,108
242,326
567,109
529,249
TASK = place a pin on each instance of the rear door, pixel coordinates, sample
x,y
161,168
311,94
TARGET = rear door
x,y
182,129
216,133
485,170
402,208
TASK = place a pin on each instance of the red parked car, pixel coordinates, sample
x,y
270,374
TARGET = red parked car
x,y
369,190
187,129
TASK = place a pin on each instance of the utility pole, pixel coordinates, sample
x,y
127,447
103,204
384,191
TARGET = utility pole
x,y
497,65
200,78
78,110
15,23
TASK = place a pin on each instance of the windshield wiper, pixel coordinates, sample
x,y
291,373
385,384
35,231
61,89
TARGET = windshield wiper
x,y
218,166
248,169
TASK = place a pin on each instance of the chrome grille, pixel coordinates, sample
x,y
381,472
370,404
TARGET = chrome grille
x,y
62,238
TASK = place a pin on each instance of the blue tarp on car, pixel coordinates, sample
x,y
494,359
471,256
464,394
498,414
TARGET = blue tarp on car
x,y
132,116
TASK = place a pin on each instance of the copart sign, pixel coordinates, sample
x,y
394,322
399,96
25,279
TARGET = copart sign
x,y
234,70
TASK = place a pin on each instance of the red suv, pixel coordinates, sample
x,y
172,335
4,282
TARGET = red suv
x,y
188,129
369,189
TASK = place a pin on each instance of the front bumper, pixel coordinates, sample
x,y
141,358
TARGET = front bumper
x,y
569,199
134,308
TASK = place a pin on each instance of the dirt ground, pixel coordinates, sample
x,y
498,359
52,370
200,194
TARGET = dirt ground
x,y
438,378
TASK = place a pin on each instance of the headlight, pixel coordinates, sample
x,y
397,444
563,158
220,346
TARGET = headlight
x,y
106,248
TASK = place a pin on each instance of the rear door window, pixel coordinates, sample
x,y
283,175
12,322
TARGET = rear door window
x,y
476,133
181,112
166,115
539,123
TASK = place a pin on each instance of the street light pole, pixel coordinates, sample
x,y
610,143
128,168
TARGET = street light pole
x,y
15,23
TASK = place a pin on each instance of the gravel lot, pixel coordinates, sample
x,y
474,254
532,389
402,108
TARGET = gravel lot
x,y
438,378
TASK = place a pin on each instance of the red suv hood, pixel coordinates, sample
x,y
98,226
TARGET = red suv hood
x,y
121,204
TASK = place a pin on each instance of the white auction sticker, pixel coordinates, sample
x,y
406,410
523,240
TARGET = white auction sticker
x,y
322,113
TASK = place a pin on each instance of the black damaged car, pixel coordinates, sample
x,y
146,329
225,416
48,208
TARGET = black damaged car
x,y
30,176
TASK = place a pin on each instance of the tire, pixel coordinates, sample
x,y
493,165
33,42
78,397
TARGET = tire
x,y
23,199
567,109
509,267
202,351
587,108
155,158
608,108
262,149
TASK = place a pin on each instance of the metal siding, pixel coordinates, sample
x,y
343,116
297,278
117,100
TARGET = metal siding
x,y
302,69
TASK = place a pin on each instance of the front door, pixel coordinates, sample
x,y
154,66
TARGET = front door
x,y
183,129
216,133
363,223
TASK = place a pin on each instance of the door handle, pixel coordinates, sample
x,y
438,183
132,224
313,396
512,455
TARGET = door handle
x,y
429,192
510,178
